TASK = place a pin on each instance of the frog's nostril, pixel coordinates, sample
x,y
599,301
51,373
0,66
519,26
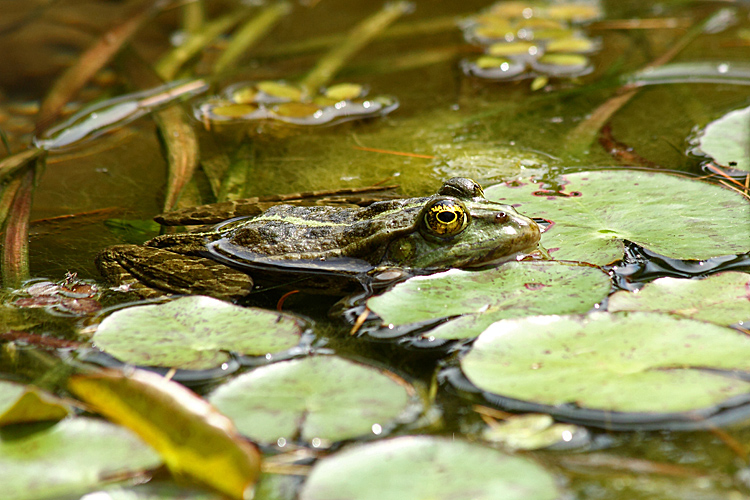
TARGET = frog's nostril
x,y
501,217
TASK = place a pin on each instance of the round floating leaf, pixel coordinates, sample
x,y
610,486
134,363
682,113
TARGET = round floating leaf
x,y
563,64
320,397
624,362
280,90
72,457
674,216
19,404
194,333
422,467
344,91
511,49
483,297
153,491
727,140
722,298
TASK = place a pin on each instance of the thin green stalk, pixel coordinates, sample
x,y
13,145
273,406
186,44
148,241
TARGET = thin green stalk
x,y
169,65
360,36
402,30
15,251
91,61
192,16
15,162
252,31
235,181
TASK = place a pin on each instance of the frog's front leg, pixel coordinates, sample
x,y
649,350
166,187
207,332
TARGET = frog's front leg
x,y
151,272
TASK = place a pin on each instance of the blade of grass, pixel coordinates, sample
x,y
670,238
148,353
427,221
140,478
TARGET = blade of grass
x,y
580,139
177,134
192,16
15,251
235,181
358,37
168,66
250,33
91,61
402,30
13,163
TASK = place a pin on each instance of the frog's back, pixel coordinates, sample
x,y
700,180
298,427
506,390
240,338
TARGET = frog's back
x,y
320,232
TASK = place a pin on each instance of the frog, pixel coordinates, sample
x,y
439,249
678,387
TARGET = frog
x,y
327,249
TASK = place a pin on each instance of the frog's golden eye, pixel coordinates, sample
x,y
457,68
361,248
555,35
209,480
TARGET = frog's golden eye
x,y
445,218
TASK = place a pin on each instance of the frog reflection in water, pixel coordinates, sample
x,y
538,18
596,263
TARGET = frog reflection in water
x,y
328,249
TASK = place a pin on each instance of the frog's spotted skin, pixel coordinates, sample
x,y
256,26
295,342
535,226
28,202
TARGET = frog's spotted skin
x,y
457,227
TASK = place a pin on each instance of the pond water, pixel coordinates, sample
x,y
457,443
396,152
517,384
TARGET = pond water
x,y
450,122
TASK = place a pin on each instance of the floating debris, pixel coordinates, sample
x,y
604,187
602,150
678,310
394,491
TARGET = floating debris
x,y
291,104
531,39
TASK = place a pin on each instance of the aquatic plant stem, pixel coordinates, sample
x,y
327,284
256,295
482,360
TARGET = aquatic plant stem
x,y
360,36
168,66
580,139
250,33
192,16
15,251
90,62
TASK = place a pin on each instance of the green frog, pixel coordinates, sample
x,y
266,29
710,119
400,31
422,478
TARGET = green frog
x,y
328,249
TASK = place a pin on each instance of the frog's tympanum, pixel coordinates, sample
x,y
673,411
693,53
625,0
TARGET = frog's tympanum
x,y
328,249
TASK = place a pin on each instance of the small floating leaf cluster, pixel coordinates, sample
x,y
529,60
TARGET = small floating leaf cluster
x,y
293,105
530,39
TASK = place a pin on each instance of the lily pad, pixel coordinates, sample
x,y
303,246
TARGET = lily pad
x,y
722,298
71,457
655,365
195,333
727,140
674,216
320,399
422,467
20,404
479,298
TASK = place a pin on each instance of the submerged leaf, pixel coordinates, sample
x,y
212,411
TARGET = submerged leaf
x,y
722,298
22,404
625,362
479,298
68,459
424,467
674,216
323,397
189,434
195,333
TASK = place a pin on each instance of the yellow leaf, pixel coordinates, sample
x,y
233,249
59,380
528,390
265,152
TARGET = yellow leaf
x,y
190,435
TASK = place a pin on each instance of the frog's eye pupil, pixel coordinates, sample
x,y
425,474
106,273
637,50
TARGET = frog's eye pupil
x,y
445,218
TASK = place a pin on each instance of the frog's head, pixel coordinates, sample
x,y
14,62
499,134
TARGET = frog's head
x,y
459,227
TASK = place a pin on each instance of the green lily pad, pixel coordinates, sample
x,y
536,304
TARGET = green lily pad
x,y
722,298
624,362
195,333
320,399
422,467
72,457
480,298
20,404
153,491
727,140
674,216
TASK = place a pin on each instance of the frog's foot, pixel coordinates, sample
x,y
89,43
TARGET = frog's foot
x,y
151,272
